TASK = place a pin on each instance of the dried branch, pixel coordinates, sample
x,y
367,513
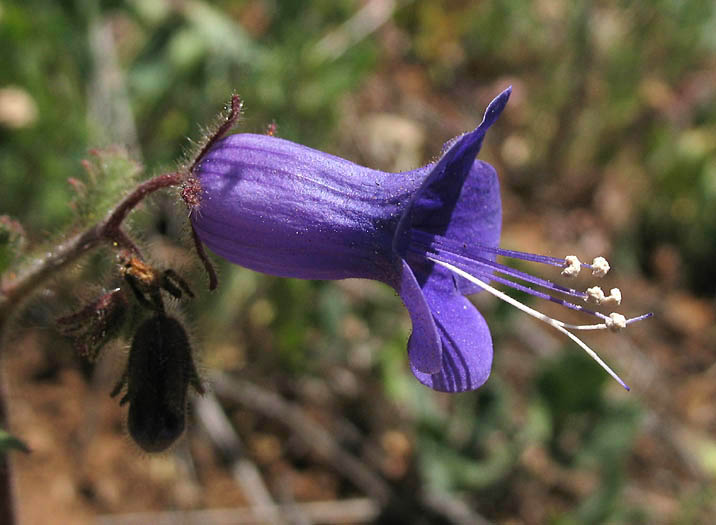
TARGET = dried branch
x,y
359,510
316,438
247,475
324,446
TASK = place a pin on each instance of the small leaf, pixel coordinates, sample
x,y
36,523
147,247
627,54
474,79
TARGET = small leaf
x,y
110,174
8,442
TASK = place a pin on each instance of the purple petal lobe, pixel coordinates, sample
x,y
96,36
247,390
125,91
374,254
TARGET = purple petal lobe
x,y
424,349
436,199
466,344
495,108
477,218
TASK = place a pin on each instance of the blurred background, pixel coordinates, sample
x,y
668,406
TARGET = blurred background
x,y
607,147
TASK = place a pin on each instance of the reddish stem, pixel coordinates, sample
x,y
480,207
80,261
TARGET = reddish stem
x,y
13,292
234,114
118,215
213,279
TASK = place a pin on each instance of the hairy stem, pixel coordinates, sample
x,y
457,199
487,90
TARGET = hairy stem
x,y
234,114
17,287
14,290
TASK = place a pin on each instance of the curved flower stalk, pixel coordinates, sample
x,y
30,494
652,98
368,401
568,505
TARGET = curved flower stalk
x,y
432,234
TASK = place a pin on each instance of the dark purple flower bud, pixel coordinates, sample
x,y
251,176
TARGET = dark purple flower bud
x,y
432,234
159,373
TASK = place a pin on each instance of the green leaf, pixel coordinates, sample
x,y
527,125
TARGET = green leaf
x,y
8,441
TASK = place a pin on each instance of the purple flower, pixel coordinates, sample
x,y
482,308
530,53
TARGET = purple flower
x,y
432,234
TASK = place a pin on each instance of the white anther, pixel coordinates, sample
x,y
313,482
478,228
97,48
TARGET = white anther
x,y
571,266
614,297
616,322
600,267
594,295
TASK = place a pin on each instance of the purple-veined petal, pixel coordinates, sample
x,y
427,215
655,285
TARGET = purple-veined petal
x,y
477,218
466,344
424,349
435,200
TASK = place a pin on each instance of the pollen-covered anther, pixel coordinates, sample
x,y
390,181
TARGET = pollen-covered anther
x,y
614,297
571,266
595,295
616,322
600,267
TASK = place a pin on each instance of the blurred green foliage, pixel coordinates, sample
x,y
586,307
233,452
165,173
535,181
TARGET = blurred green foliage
x,y
12,239
181,66
615,91
8,442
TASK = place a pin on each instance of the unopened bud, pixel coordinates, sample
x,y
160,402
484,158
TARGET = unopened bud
x,y
159,372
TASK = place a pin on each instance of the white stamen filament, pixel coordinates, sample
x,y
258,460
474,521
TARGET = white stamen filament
x,y
559,325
